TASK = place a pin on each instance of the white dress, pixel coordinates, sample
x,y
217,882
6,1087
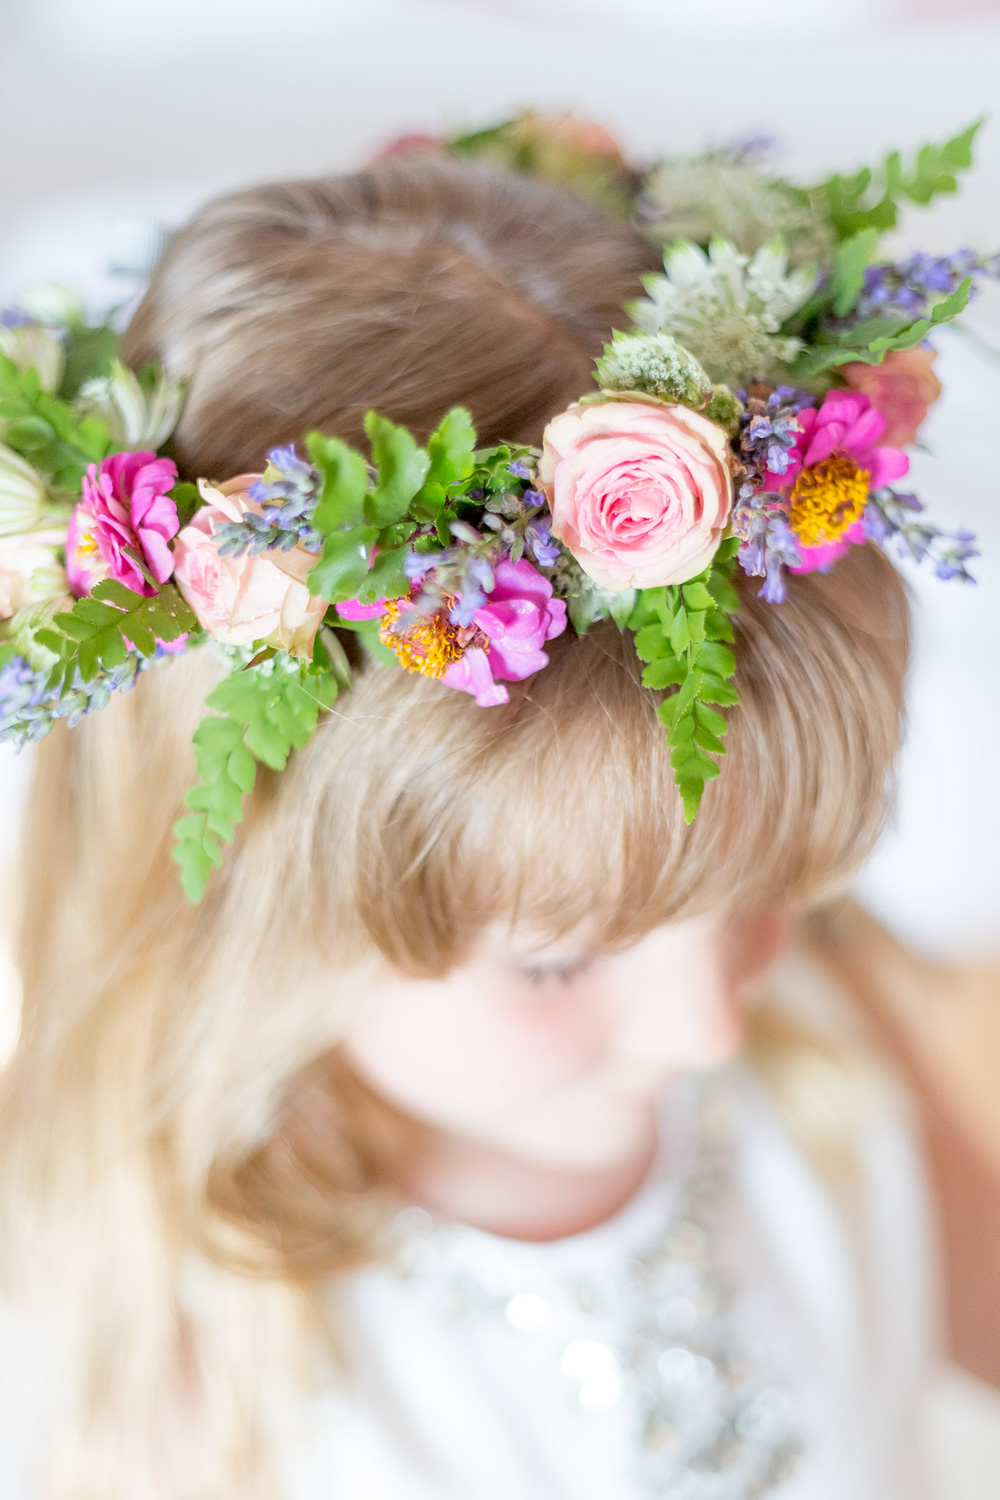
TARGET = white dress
x,y
730,1333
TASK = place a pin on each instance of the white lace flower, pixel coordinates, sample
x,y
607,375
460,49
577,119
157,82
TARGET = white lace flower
x,y
31,344
725,307
138,416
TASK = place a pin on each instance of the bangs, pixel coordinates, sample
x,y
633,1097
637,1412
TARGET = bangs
x,y
560,807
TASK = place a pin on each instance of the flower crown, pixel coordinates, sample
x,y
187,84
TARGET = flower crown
x,y
753,417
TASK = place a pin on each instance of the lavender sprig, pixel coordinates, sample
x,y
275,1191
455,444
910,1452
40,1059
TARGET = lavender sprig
x,y
908,289
287,495
891,519
768,430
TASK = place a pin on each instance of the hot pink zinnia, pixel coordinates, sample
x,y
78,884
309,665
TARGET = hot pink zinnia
x,y
836,460
126,509
517,619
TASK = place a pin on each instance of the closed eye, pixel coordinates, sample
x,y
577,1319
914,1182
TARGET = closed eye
x,y
559,973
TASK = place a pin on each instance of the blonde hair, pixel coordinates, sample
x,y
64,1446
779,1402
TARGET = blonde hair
x,y
177,1112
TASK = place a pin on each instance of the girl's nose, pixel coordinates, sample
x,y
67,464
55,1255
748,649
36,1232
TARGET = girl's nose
x,y
682,1023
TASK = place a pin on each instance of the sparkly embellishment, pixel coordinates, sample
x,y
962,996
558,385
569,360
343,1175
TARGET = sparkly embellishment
x,y
594,1366
527,1310
827,499
657,1337
428,646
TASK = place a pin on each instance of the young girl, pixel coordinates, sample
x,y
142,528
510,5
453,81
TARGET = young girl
x,y
415,1163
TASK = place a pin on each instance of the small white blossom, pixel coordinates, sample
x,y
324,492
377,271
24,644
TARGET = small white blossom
x,y
50,302
136,417
32,344
22,493
655,363
725,307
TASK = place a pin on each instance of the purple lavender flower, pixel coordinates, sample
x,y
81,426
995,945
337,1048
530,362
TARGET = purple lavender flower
x,y
895,520
908,289
519,468
21,687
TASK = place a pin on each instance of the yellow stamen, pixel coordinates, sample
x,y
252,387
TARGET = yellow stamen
x,y
428,646
827,499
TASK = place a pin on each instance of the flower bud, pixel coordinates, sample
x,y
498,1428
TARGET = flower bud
x,y
136,417
30,344
22,493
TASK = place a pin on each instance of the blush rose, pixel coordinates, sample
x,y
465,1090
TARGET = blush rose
x,y
239,600
639,493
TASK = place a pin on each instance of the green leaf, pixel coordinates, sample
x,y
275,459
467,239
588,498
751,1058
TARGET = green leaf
x,y
451,450
852,259
402,467
697,596
387,579
679,634
343,564
716,658
266,712
669,671
651,643
345,483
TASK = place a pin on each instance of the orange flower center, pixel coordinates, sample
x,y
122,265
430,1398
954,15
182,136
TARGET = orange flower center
x,y
827,499
428,646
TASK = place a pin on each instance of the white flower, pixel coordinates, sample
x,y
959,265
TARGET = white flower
x,y
50,302
725,307
22,493
32,344
137,417
30,572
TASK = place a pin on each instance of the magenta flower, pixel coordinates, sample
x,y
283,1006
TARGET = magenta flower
x,y
126,517
519,616
834,463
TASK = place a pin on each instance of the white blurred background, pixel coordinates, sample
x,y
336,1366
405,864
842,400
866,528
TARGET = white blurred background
x,y
119,111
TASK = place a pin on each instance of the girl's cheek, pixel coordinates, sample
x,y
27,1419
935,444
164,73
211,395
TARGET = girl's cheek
x,y
445,1054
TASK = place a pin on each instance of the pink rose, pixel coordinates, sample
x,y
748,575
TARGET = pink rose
x,y
517,619
903,388
239,600
640,494
126,514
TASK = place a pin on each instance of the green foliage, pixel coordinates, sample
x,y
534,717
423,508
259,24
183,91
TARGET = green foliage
x,y
870,200
100,631
90,353
368,514
868,343
682,633
265,712
852,259
46,430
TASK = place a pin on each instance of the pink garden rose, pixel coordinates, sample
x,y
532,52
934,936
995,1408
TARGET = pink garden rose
x,y
239,600
640,494
126,513
845,425
517,619
903,388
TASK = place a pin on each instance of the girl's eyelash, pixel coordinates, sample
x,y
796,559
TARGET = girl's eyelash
x,y
562,973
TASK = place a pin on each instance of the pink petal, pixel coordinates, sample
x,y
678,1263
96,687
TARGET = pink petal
x,y
158,555
884,464
472,675
825,440
863,433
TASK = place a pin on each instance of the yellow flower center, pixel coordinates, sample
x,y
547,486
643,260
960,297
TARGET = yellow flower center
x,y
827,499
428,646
